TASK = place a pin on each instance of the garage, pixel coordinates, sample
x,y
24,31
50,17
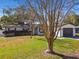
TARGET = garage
x,y
67,32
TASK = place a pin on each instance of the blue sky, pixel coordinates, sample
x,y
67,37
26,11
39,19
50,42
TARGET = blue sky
x,y
8,4
14,3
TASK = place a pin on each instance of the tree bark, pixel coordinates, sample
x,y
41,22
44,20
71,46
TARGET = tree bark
x,y
50,45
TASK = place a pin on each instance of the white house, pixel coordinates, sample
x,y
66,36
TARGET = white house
x,y
67,30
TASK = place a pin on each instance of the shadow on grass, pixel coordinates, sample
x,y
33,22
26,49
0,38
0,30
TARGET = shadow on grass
x,y
61,55
65,56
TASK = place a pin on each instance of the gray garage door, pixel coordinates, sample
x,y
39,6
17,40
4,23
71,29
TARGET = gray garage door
x,y
67,32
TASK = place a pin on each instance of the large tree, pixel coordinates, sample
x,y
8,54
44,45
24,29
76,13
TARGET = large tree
x,y
51,14
20,13
7,20
14,15
72,18
8,17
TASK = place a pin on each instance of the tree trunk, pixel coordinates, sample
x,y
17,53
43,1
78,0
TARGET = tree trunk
x,y
50,46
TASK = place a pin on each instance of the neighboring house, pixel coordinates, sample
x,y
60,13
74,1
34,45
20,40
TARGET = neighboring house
x,y
12,30
22,28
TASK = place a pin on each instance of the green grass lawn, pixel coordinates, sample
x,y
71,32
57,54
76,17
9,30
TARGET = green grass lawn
x,y
26,48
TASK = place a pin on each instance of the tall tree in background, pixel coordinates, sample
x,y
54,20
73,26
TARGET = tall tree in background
x,y
72,18
51,14
20,13
8,17
6,20
77,19
14,15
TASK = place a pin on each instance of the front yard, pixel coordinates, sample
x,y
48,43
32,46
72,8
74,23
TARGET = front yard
x,y
24,47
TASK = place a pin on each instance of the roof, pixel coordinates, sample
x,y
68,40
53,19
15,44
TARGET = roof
x,y
68,26
17,27
77,26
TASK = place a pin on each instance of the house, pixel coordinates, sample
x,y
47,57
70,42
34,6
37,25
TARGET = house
x,y
21,28
14,30
67,30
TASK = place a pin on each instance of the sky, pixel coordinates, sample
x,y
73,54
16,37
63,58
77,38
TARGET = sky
x,y
8,4
13,3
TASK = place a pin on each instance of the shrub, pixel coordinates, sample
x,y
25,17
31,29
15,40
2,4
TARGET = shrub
x,y
77,34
